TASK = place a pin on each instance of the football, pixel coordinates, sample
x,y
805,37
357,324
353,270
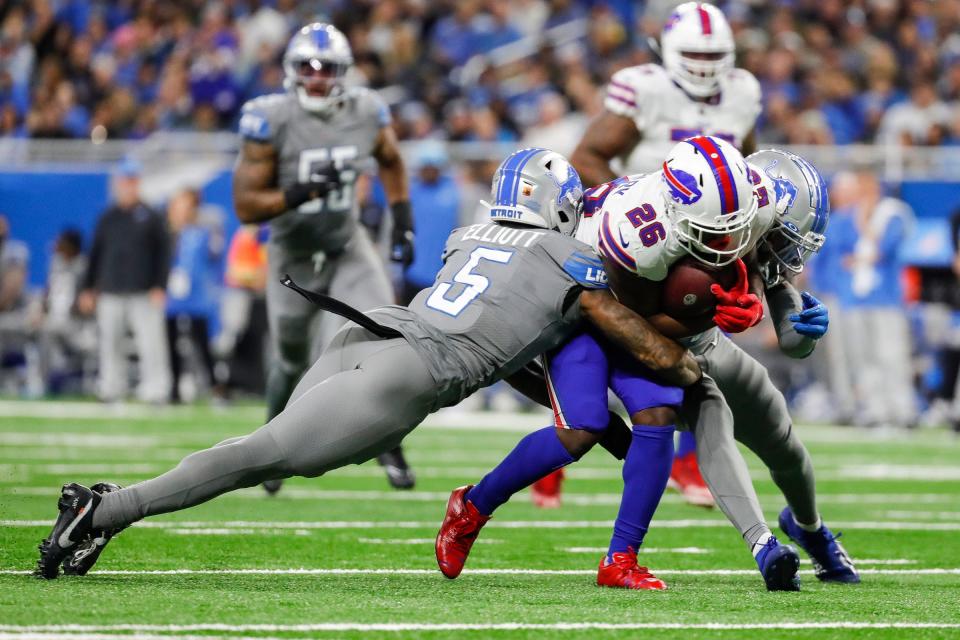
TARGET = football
x,y
686,289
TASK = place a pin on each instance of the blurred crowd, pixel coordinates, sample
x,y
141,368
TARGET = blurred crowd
x,y
832,71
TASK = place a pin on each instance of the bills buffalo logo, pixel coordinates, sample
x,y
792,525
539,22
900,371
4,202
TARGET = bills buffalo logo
x,y
683,186
785,190
671,21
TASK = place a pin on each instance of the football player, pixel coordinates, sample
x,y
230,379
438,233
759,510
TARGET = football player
x,y
508,291
649,108
793,192
301,155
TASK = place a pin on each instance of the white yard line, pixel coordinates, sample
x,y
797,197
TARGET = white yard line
x,y
481,572
502,626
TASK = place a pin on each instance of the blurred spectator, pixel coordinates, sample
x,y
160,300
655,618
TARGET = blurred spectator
x,y
921,120
126,284
191,290
435,196
954,416
557,129
875,328
14,259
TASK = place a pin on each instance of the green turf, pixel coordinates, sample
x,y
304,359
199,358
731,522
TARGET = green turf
x,y
865,478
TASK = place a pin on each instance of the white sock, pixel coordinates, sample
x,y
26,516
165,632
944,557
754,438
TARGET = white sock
x,y
760,543
809,527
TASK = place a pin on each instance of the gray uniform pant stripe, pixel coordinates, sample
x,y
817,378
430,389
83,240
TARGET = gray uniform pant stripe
x,y
360,399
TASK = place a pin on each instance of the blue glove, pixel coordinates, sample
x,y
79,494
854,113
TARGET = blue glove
x,y
813,320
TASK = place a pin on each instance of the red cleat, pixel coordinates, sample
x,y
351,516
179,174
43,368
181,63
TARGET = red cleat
x,y
459,531
545,492
624,573
685,477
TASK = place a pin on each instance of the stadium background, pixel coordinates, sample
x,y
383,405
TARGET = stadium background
x,y
869,85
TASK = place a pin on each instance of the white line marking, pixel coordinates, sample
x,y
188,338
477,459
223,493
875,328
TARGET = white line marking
x,y
498,524
502,626
933,515
480,572
687,550
895,472
213,531
78,440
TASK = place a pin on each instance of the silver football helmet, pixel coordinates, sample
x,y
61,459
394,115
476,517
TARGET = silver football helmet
x,y
315,64
803,211
539,188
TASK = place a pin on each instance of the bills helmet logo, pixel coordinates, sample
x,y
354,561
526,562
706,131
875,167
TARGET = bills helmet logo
x,y
785,190
671,21
683,186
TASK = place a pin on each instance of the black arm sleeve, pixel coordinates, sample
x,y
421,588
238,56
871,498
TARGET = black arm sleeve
x,y
96,251
160,267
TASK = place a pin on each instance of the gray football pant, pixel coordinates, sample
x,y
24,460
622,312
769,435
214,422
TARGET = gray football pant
x,y
298,329
737,401
358,400
115,314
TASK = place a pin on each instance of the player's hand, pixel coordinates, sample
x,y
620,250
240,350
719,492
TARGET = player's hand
x,y
737,309
401,238
813,320
321,182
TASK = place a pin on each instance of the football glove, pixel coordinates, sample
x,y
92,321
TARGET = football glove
x,y
737,309
322,181
401,238
813,320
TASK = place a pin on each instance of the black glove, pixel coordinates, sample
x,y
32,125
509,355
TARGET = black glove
x,y
322,181
401,240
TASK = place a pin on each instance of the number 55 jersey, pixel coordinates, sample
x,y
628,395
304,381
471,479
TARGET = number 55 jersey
x,y
505,295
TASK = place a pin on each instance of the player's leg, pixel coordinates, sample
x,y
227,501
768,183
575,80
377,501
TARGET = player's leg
x,y
646,469
361,281
347,418
762,422
577,384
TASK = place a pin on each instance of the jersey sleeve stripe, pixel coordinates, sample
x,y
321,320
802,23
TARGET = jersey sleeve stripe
x,y
626,88
721,171
629,103
616,251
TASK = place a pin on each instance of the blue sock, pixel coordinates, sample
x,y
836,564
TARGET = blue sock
x,y
687,444
535,456
646,470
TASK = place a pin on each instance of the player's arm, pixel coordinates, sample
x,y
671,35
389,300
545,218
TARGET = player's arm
x,y
609,135
799,319
256,197
641,340
393,175
749,143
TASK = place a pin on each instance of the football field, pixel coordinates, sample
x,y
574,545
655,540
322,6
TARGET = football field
x,y
344,556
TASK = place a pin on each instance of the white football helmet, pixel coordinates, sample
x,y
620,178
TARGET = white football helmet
x,y
697,47
803,212
710,199
539,188
314,65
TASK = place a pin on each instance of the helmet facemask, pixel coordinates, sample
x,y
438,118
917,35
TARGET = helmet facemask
x,y
786,250
698,72
719,241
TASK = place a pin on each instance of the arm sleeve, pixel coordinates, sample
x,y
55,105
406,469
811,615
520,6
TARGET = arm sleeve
x,y
256,122
621,95
93,263
161,254
784,301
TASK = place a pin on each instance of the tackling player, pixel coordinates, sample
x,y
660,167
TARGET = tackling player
x,y
301,156
648,109
507,292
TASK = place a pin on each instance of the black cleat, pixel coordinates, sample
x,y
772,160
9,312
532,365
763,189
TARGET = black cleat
x,y
399,473
77,504
272,486
81,558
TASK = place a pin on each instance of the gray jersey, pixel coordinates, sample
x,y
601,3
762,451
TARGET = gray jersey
x,y
305,141
504,296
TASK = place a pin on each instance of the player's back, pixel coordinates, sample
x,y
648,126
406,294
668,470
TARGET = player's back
x,y
664,114
305,142
505,294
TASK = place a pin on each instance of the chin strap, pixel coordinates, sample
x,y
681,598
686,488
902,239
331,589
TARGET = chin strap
x,y
342,309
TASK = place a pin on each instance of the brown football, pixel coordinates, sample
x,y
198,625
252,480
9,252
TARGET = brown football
x,y
685,293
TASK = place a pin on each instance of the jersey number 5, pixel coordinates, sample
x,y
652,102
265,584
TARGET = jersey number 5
x,y
644,218
340,198
475,283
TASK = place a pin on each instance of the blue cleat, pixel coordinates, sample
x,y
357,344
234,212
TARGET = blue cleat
x,y
830,560
778,565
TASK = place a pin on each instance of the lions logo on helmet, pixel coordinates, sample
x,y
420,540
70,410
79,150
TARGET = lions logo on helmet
x,y
537,187
784,189
314,65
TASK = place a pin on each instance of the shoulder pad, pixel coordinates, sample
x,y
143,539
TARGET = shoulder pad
x,y
258,118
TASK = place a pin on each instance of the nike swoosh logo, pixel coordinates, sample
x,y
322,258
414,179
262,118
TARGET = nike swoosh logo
x,y
623,241
64,540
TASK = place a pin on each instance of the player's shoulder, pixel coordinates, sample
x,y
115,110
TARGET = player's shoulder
x,y
634,88
577,259
261,117
741,84
642,78
368,103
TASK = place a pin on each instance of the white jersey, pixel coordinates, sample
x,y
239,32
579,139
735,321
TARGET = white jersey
x,y
664,114
626,221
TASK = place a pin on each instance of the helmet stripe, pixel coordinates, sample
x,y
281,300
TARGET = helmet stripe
x,y
729,202
321,38
510,175
819,200
705,25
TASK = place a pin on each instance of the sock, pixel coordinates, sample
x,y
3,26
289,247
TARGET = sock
x,y
760,543
535,456
646,470
687,444
811,528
